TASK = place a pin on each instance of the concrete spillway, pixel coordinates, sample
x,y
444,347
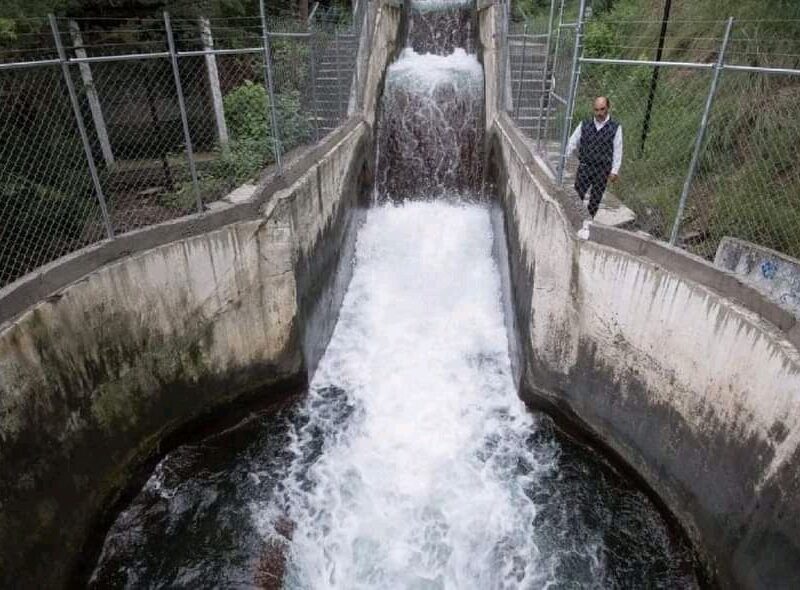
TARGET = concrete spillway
x,y
411,462
113,356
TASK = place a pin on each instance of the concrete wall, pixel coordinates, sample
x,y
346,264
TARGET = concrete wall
x,y
95,375
684,370
110,353
775,275
668,361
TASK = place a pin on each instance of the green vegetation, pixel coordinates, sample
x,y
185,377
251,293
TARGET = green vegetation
x,y
252,141
47,201
748,184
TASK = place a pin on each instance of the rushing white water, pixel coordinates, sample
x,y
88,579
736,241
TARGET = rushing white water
x,y
412,469
424,5
441,28
431,126
425,72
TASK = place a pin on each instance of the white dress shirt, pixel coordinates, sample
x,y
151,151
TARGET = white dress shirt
x,y
575,140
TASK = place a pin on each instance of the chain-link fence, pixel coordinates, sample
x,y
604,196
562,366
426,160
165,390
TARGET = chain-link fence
x,y
708,112
109,125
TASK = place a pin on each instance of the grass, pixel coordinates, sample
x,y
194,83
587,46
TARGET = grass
x,y
747,184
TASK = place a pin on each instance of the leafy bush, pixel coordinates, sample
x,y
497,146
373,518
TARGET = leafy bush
x,y
252,140
600,40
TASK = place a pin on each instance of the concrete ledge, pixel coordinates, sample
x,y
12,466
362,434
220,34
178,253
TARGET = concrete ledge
x,y
684,370
700,271
33,287
670,258
775,275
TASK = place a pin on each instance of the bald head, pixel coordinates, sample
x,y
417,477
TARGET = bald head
x,y
600,108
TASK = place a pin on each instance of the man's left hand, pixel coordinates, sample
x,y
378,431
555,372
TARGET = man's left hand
x,y
613,177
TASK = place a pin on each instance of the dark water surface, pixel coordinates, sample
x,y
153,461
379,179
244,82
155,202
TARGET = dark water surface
x,y
193,525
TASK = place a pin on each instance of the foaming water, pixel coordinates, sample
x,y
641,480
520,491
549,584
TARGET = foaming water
x,y
441,26
410,464
430,132
413,467
425,5
431,71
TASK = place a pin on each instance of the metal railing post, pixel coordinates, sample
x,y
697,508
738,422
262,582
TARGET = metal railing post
x,y
573,91
312,58
76,109
553,83
507,56
701,133
338,73
173,57
545,71
521,71
503,57
273,113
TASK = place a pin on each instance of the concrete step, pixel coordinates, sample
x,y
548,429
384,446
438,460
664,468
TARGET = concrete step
x,y
521,120
531,113
331,95
528,58
527,83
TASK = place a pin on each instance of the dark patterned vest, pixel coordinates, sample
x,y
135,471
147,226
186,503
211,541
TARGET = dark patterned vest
x,y
597,147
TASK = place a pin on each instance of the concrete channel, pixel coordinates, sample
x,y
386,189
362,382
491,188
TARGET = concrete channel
x,y
683,370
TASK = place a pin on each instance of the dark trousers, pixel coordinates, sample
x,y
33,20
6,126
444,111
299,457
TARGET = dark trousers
x,y
595,176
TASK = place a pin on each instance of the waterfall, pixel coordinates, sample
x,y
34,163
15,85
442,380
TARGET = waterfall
x,y
430,130
430,133
441,27
411,463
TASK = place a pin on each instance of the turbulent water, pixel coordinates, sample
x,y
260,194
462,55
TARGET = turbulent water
x,y
411,463
441,27
431,129
417,487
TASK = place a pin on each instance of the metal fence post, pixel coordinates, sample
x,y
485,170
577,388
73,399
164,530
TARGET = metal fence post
x,y
338,71
312,58
503,57
506,56
521,70
573,91
545,71
701,133
76,109
543,134
357,27
273,114
173,56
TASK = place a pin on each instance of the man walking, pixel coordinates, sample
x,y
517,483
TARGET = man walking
x,y
599,144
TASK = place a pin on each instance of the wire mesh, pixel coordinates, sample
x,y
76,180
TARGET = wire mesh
x,y
26,40
659,121
149,181
47,205
527,47
549,132
128,102
748,181
293,94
